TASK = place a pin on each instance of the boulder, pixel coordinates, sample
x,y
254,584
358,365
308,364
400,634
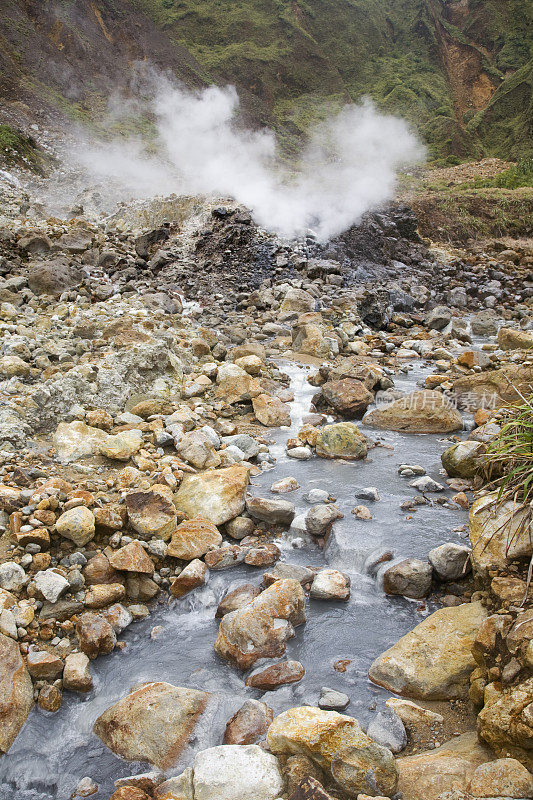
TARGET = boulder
x,y
236,599
75,440
506,724
217,495
270,411
438,318
261,628
450,561
513,339
189,578
53,277
434,660
320,517
341,440
76,674
76,524
348,397
461,460
338,745
493,388
95,634
196,448
16,692
409,578
236,772
497,533
505,777
249,723
297,300
443,773
270,678
122,446
330,584
51,584
152,512
193,538
275,512
422,411
132,558
152,723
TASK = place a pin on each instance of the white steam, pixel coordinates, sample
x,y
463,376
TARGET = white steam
x,y
348,166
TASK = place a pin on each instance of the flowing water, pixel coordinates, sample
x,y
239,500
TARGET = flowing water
x,y
54,751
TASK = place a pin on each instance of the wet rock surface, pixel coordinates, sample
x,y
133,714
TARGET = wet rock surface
x,y
151,379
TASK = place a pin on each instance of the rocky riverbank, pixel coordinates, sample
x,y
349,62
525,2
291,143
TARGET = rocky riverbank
x,y
143,377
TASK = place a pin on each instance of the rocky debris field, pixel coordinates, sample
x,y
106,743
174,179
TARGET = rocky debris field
x,y
141,378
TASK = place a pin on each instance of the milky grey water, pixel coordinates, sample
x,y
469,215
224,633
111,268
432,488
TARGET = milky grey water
x,y
54,751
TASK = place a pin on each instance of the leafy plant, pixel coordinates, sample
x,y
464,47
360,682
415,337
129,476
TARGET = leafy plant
x,y
508,464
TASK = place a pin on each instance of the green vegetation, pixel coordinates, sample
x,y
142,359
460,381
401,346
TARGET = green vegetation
x,y
508,464
520,174
302,58
15,148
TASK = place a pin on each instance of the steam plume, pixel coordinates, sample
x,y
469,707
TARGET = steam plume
x,y
348,166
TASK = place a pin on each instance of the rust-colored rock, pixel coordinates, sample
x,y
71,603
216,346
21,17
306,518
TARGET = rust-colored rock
x,y
153,723
193,538
16,692
132,558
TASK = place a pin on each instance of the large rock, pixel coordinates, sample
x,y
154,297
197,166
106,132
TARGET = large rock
x,y
513,339
193,538
16,692
76,524
497,533
341,440
236,772
434,660
275,512
217,495
249,723
297,300
409,578
505,777
338,745
348,397
53,277
506,724
74,440
493,388
461,460
419,412
152,723
123,445
260,629
270,411
152,512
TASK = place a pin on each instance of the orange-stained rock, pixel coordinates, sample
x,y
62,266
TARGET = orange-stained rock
x,y
260,629
153,723
132,558
217,495
16,692
193,538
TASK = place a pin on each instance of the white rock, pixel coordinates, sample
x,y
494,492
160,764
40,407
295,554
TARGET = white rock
x,y
236,772
51,585
12,576
426,484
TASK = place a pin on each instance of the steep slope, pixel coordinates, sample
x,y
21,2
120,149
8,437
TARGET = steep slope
x,y
460,70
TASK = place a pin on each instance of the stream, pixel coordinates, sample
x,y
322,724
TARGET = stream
x,y
54,751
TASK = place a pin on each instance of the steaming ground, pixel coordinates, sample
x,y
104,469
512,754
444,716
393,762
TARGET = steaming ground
x,y
349,165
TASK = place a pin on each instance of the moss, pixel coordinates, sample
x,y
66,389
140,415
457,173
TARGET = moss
x,y
16,148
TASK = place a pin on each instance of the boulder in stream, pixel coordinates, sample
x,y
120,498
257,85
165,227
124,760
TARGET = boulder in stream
x,y
152,723
419,412
434,660
16,692
260,629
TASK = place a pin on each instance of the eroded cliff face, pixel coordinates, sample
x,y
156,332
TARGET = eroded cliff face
x,y
460,70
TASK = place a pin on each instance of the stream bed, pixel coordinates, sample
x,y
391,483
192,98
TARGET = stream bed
x,y
175,643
